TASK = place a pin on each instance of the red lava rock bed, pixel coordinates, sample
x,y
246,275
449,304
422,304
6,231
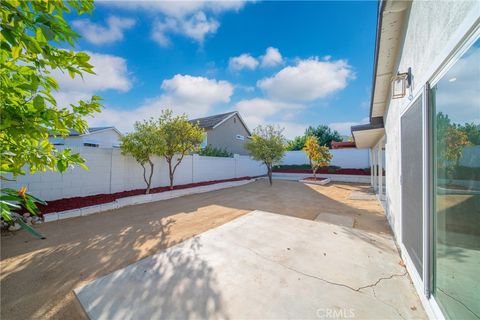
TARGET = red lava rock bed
x,y
357,172
80,202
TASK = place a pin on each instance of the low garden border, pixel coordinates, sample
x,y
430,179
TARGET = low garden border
x,y
106,202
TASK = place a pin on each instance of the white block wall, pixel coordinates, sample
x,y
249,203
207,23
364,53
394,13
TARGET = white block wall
x,y
110,172
346,158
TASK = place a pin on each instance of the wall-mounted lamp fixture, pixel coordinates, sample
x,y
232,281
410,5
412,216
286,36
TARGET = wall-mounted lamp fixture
x,y
400,83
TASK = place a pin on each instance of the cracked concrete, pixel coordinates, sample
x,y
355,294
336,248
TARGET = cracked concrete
x,y
262,265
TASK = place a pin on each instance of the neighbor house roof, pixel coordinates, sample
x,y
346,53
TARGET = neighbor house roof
x,y
211,122
74,133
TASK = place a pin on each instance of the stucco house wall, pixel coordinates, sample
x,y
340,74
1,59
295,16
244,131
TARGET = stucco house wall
x,y
431,33
224,136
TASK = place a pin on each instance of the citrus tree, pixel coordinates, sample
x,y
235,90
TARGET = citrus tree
x,y
451,140
33,38
267,144
180,137
142,144
318,155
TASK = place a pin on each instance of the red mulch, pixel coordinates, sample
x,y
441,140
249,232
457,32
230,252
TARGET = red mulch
x,y
314,179
358,172
80,202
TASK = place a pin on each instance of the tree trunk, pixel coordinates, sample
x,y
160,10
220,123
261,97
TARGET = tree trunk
x,y
148,181
150,177
170,172
269,167
314,174
145,178
313,168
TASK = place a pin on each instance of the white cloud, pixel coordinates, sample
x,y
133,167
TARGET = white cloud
x,y
193,19
259,111
195,27
308,80
271,58
178,9
98,34
344,128
292,129
194,96
111,73
243,61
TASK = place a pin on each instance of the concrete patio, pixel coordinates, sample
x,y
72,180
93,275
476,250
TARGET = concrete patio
x,y
262,265
239,263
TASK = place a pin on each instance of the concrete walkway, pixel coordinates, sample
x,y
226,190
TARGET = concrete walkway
x,y
262,265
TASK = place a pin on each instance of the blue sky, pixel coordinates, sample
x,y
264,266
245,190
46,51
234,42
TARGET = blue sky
x,y
290,63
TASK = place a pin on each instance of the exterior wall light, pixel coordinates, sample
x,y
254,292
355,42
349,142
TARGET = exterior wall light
x,y
400,83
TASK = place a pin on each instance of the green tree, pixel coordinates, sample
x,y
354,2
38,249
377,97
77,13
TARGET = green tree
x,y
31,35
267,144
323,133
297,143
318,155
181,137
472,131
142,144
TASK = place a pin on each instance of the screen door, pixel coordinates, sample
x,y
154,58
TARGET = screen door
x,y
412,172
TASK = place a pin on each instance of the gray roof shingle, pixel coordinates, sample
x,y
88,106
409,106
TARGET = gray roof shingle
x,y
211,121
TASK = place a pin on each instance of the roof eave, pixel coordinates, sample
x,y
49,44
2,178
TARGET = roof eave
x,y
367,135
393,15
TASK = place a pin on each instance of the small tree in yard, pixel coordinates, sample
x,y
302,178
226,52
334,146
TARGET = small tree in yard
x,y
142,144
181,137
267,144
318,155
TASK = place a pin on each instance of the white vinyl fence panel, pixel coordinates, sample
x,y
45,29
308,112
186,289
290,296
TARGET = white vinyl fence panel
x,y
110,172
346,158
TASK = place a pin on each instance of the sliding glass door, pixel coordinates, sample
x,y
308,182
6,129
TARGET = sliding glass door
x,y
455,103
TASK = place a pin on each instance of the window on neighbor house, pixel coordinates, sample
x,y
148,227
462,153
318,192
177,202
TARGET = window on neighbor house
x,y
89,144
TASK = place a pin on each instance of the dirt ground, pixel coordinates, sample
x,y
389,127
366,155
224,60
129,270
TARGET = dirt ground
x,y
37,276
